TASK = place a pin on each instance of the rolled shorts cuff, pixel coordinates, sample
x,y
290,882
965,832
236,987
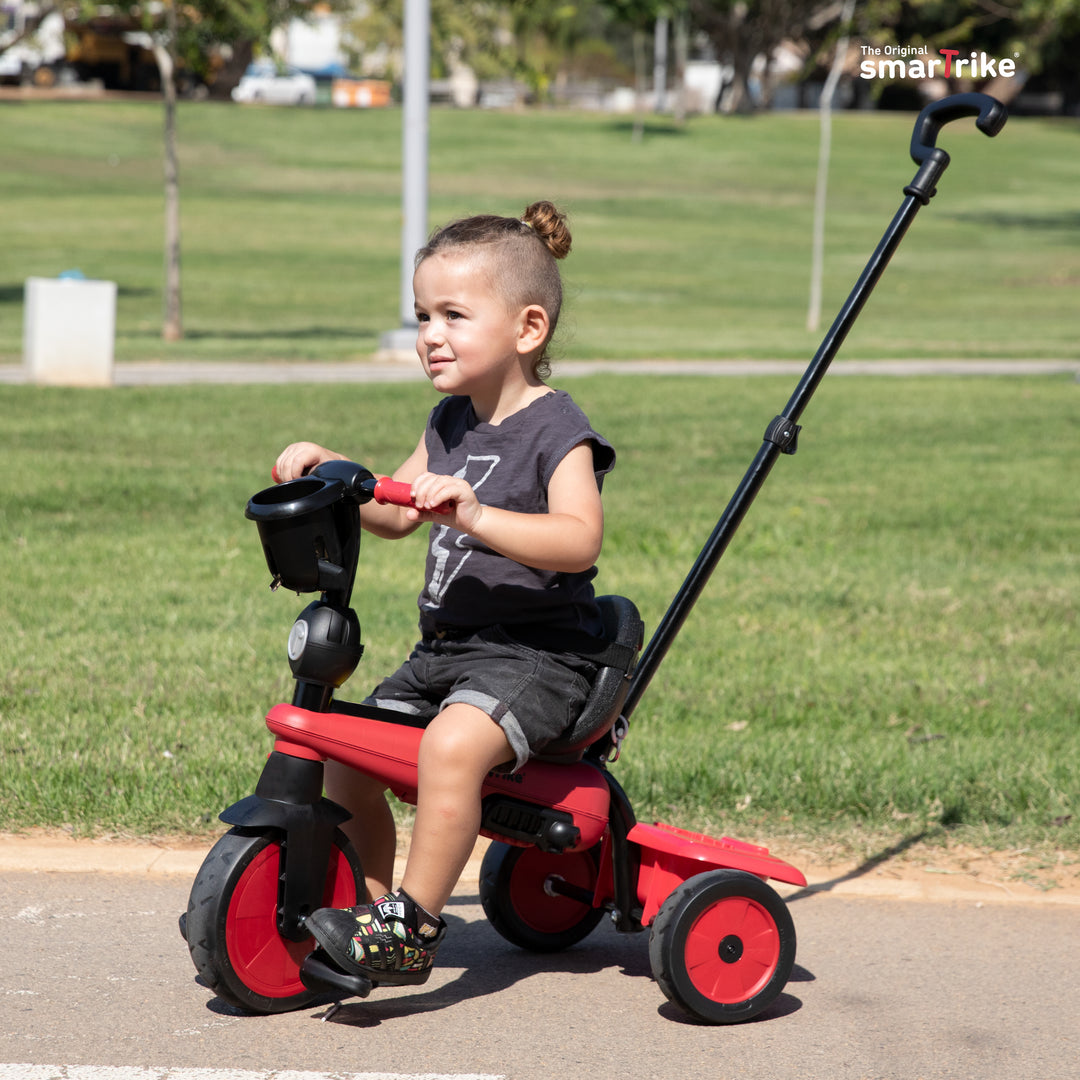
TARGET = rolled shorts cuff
x,y
393,705
502,715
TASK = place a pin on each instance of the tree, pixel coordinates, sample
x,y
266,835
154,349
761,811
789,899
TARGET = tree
x,y
172,327
187,34
742,30
526,39
545,34
190,35
817,258
643,17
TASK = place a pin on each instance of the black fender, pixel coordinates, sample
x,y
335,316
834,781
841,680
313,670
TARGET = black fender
x,y
288,799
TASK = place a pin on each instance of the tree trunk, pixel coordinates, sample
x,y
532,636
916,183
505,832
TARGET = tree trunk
x,y
230,73
639,86
682,48
817,256
740,99
660,61
172,326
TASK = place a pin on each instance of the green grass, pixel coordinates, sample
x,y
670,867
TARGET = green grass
x,y
889,648
692,243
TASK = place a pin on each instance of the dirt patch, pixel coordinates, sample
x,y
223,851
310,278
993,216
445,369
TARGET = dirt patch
x,y
935,869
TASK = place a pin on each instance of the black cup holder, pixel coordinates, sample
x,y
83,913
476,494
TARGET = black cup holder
x,y
310,533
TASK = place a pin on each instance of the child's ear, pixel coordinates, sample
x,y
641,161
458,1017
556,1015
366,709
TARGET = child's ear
x,y
533,328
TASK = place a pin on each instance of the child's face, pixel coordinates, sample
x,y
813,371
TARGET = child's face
x,y
468,342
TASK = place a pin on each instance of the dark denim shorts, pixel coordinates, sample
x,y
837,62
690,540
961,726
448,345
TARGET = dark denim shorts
x,y
534,695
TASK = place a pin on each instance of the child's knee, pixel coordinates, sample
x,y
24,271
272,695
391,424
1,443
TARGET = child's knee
x,y
465,737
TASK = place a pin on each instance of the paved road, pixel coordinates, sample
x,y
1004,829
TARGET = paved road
x,y
407,369
96,974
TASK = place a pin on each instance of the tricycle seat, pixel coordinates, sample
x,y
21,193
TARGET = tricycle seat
x,y
625,633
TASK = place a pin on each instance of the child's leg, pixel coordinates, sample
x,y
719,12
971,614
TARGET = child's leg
x,y
371,827
459,748
395,938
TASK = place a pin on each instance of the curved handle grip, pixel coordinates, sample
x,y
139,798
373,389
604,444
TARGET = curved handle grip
x,y
989,112
399,493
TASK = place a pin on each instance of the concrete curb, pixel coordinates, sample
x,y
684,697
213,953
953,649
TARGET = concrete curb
x,y
893,879
57,855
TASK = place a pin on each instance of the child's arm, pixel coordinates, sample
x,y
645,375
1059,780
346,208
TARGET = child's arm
x,y
567,538
389,522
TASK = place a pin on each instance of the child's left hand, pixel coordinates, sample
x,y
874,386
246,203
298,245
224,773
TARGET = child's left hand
x,y
432,493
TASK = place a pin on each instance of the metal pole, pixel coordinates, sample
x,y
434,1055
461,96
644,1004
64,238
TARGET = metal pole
x,y
414,162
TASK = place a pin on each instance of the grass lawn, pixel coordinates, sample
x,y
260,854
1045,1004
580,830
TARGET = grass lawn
x,y
694,242
889,649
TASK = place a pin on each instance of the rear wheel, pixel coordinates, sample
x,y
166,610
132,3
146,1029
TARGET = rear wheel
x,y
231,921
722,946
515,889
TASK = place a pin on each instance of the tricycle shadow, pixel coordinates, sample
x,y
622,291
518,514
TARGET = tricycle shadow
x,y
488,965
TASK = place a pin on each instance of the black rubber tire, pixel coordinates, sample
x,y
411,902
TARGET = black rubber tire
x,y
231,920
722,946
515,903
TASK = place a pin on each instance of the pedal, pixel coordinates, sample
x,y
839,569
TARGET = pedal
x,y
322,976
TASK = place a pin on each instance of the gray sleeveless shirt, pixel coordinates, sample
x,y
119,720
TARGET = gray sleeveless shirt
x,y
509,465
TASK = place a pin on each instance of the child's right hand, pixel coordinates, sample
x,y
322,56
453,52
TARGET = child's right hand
x,y
298,459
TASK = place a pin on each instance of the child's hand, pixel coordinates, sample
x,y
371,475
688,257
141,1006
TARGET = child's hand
x,y
459,506
299,459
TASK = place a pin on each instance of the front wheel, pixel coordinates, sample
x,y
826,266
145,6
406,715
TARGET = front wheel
x,y
231,922
519,903
722,946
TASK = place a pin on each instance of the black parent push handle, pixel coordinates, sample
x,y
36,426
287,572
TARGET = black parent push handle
x,y
990,116
782,433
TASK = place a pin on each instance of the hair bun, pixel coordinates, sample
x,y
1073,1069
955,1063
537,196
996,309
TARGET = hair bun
x,y
549,223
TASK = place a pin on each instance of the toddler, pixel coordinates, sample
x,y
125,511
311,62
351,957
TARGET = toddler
x,y
508,474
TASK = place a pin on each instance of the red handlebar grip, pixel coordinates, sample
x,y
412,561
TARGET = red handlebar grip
x,y
399,493
396,492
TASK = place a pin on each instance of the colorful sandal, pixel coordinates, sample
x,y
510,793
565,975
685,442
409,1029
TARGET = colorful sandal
x,y
380,940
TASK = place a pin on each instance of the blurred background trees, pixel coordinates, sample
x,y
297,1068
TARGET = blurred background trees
x,y
545,50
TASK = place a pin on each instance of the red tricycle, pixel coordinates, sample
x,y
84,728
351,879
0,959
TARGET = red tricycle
x,y
567,849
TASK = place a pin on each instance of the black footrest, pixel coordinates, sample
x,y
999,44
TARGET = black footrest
x,y
321,975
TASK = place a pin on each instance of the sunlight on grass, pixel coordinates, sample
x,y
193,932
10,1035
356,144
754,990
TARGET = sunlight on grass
x,y
694,242
890,645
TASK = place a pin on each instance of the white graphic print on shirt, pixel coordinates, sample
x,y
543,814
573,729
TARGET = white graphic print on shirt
x,y
440,580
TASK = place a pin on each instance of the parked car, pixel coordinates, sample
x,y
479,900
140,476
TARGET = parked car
x,y
264,82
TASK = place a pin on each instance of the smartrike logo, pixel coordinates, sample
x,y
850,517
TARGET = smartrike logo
x,y
917,62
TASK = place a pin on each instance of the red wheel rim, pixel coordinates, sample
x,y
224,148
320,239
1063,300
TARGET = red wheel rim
x,y
536,908
732,950
267,963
